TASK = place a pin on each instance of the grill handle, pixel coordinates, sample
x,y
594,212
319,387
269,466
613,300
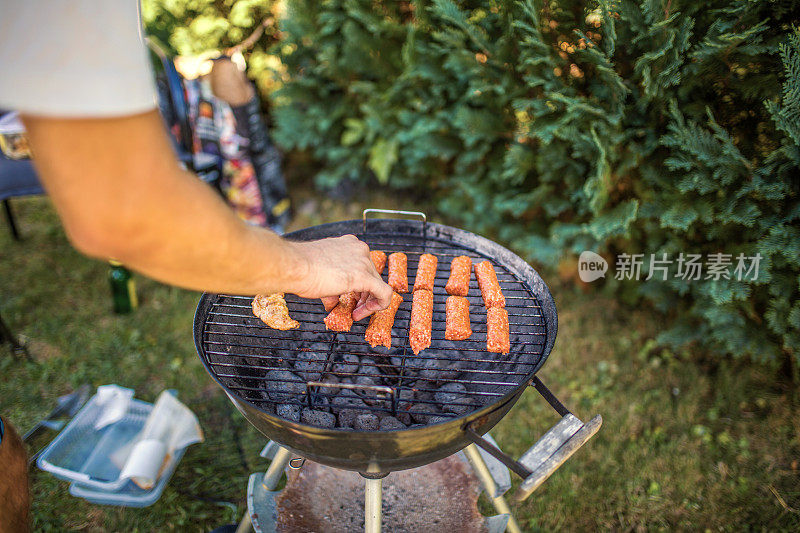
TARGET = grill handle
x,y
548,453
366,212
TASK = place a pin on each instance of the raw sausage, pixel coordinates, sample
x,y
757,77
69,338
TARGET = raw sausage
x,y
341,317
426,272
457,327
398,272
379,331
378,259
490,287
419,331
497,335
460,271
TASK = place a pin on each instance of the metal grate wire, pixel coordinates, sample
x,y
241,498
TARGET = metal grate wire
x,y
240,349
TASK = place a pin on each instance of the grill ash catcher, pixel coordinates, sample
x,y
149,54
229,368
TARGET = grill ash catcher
x,y
331,398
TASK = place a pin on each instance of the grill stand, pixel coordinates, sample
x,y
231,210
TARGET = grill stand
x,y
550,451
262,514
372,505
491,486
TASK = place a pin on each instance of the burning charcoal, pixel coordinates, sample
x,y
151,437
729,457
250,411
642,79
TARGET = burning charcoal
x,y
461,406
390,422
319,402
450,393
369,366
329,391
366,422
397,361
282,385
405,398
289,412
422,412
347,365
347,398
347,417
309,365
435,369
319,347
281,349
318,418
367,381
422,390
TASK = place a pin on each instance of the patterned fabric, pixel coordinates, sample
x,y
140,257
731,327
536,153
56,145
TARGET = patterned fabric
x,y
215,132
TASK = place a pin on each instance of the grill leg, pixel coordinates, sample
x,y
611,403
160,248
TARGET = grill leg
x,y
10,217
246,525
482,471
276,468
269,482
372,505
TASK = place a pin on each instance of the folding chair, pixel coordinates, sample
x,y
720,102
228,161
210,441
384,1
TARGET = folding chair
x,y
17,178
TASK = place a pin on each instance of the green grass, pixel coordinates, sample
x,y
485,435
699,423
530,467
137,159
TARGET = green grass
x,y
684,445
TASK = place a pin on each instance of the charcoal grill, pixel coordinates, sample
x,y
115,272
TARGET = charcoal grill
x,y
238,351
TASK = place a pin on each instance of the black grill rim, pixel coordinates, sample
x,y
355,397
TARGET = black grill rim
x,y
394,229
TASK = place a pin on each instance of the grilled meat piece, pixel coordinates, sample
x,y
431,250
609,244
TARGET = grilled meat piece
x,y
273,311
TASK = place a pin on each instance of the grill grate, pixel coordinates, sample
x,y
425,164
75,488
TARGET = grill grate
x,y
240,350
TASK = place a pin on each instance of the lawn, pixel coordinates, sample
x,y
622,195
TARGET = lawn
x,y
687,443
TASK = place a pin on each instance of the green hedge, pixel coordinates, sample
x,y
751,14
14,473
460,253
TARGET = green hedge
x,y
661,127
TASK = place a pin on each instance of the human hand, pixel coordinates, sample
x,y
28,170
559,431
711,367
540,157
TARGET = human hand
x,y
340,265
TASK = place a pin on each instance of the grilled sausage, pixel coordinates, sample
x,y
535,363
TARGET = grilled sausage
x,y
419,331
460,271
497,334
398,272
457,327
490,287
426,272
379,331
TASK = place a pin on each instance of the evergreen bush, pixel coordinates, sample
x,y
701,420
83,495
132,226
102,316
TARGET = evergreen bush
x,y
665,126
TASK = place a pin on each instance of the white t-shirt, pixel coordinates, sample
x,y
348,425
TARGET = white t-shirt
x,y
74,58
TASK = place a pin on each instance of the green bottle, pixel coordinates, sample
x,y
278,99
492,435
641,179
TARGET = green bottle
x,y
123,288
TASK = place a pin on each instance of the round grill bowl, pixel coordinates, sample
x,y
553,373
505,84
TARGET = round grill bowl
x,y
226,333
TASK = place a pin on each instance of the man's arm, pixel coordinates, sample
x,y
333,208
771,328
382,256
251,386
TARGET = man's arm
x,y
121,194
